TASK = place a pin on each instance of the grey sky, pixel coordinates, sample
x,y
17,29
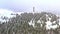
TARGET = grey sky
x,y
27,5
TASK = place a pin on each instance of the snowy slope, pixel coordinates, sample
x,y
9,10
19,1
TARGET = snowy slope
x,y
49,23
7,13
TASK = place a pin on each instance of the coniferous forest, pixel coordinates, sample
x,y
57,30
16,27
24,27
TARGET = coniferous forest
x,y
29,23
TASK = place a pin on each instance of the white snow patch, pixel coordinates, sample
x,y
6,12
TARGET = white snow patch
x,y
54,26
18,13
49,25
31,23
38,21
57,15
59,21
54,22
49,19
46,15
41,25
5,12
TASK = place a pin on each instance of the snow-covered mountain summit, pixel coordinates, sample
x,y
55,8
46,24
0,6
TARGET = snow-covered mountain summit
x,y
50,20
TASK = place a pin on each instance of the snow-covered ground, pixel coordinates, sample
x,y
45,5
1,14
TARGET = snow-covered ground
x,y
48,23
7,13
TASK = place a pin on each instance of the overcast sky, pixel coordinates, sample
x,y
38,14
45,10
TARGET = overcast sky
x,y
27,5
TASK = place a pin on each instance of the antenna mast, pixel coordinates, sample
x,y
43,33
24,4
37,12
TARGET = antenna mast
x,y
33,9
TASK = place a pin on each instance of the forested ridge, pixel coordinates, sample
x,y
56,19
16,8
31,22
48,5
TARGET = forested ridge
x,y
20,24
